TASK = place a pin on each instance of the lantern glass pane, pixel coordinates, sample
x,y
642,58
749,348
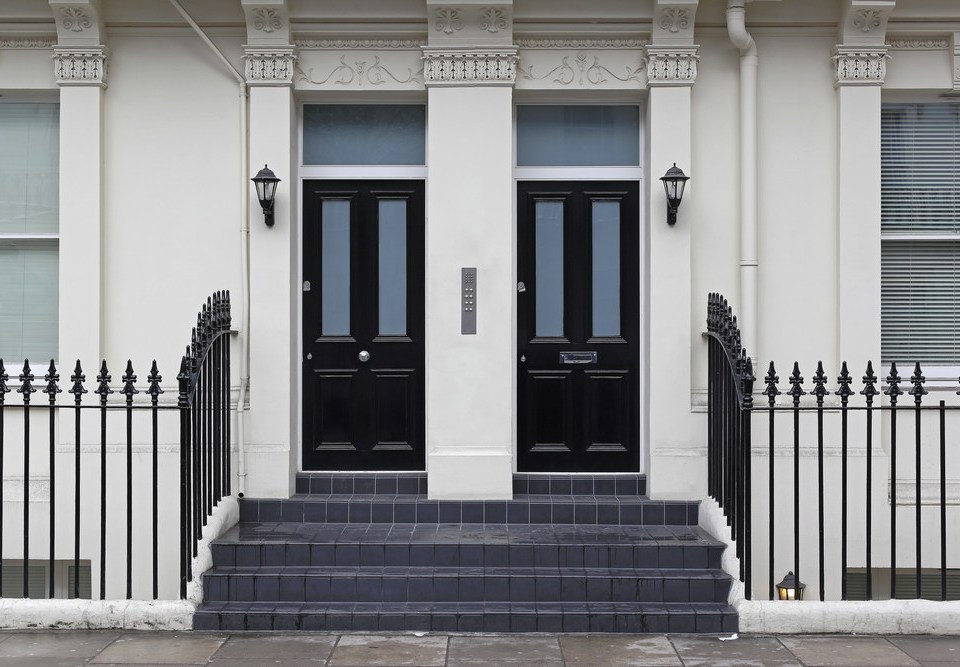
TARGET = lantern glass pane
x,y
670,187
260,187
678,188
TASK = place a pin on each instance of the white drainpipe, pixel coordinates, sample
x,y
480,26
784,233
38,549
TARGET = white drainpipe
x,y
736,28
244,300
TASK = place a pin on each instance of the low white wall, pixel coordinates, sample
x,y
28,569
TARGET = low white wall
x,y
21,614
881,617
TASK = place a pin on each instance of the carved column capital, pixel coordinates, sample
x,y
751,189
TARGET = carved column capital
x,y
269,66
672,65
469,67
858,66
75,66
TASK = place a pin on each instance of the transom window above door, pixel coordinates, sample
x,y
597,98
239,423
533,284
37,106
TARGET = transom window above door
x,y
364,134
578,135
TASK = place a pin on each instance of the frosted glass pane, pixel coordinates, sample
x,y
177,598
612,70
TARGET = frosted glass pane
x,y
29,168
549,249
28,301
606,268
335,268
576,136
364,134
393,267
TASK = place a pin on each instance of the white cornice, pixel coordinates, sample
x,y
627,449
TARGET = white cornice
x,y
359,44
469,67
582,43
43,43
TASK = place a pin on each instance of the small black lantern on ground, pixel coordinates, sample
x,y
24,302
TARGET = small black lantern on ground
x,y
673,182
266,184
790,588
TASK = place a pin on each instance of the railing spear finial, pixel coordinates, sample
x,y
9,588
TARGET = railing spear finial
x,y
917,380
819,381
796,385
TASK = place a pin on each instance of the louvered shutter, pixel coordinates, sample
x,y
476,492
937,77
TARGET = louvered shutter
x,y
13,580
84,580
920,227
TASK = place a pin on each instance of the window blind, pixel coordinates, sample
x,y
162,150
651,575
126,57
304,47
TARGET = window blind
x,y
920,232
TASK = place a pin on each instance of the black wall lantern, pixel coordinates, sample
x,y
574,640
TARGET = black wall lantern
x,y
790,588
266,183
673,182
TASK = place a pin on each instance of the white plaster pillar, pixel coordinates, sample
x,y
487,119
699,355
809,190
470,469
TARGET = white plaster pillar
x,y
675,461
272,433
469,71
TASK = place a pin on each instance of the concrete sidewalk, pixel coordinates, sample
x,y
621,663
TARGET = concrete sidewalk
x,y
62,648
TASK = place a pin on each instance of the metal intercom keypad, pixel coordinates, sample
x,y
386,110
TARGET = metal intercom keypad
x,y
468,300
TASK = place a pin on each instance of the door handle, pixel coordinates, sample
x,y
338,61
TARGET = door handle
x,y
364,356
578,357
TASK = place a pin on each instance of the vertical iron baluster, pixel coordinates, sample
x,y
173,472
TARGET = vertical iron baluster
x,y
4,389
129,390
78,391
943,500
51,378
103,390
893,391
819,391
26,388
217,416
869,391
747,435
844,392
186,514
196,491
796,391
918,392
771,392
228,473
710,406
154,378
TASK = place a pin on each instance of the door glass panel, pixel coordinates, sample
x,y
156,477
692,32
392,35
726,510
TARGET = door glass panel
x,y
578,135
549,273
364,134
335,267
606,268
393,267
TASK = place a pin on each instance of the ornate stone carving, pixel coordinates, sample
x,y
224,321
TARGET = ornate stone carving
x,y
582,43
75,19
856,66
868,20
358,72
930,44
448,20
80,67
350,44
671,66
266,19
581,71
269,67
675,19
493,19
469,67
27,43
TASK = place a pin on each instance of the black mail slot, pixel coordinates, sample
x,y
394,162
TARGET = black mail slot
x,y
578,357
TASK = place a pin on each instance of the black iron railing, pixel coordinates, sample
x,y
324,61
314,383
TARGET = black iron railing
x,y
203,407
730,455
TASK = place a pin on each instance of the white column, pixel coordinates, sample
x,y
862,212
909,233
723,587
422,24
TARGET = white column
x,y
470,379
272,430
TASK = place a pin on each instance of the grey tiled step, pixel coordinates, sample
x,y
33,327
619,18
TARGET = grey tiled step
x,y
465,545
452,584
616,484
635,617
529,509
348,483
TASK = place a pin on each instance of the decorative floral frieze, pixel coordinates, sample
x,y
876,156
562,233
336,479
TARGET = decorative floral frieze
x,y
470,67
358,72
868,20
582,43
266,20
448,20
75,19
675,19
27,43
493,19
582,71
352,44
860,66
269,67
80,67
930,44
673,66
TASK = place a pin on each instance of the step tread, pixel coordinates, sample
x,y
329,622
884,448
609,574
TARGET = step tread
x,y
479,607
560,498
447,571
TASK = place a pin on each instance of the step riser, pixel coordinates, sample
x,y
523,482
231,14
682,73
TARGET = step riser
x,y
466,555
515,512
713,623
362,483
320,588
523,484
579,485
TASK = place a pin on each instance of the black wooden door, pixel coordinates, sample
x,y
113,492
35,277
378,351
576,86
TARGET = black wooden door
x,y
363,329
578,326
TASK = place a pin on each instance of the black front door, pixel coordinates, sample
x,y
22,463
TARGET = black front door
x,y
363,330
578,326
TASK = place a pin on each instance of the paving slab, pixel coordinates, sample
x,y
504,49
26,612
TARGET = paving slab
x,y
513,651
60,644
619,651
927,650
383,651
276,649
847,652
161,648
744,651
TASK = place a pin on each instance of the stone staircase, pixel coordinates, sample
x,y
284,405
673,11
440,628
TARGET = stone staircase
x,y
370,551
